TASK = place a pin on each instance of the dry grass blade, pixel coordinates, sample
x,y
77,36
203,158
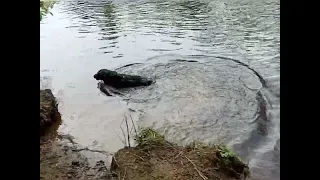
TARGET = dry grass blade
x,y
133,125
125,172
124,135
195,167
123,141
131,129
137,156
128,132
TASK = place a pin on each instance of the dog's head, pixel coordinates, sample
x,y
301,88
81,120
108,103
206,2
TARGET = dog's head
x,y
149,81
104,73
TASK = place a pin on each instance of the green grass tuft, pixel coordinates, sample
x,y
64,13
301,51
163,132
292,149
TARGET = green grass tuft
x,y
148,139
231,162
148,135
45,5
226,154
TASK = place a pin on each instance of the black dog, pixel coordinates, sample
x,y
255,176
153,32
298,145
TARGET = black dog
x,y
114,79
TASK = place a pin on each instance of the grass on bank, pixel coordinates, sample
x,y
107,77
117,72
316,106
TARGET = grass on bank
x,y
155,158
45,6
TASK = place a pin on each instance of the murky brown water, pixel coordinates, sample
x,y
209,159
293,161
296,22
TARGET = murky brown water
x,y
216,62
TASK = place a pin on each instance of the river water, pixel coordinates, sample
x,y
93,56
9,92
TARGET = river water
x,y
216,65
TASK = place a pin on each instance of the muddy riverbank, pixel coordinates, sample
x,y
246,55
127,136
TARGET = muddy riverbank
x,y
152,158
155,158
60,162
57,159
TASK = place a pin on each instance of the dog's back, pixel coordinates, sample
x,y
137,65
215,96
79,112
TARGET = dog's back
x,y
117,80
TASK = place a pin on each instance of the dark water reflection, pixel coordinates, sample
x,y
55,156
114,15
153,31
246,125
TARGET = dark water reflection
x,y
217,65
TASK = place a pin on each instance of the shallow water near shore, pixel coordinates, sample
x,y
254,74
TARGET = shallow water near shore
x,y
216,65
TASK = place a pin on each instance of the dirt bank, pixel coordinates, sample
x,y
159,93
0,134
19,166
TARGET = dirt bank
x,y
59,161
155,158
48,110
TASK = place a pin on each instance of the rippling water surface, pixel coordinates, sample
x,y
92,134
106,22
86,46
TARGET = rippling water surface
x,y
216,63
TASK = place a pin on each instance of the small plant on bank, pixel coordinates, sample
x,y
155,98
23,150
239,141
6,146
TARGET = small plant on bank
x,y
226,154
45,5
149,138
154,157
231,162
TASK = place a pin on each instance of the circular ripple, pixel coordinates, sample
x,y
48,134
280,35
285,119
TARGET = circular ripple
x,y
197,101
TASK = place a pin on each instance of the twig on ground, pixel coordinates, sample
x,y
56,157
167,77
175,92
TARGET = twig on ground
x,y
115,160
137,156
91,150
125,172
200,174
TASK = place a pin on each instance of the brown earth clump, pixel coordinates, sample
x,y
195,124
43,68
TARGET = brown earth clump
x,y
59,161
154,158
48,109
